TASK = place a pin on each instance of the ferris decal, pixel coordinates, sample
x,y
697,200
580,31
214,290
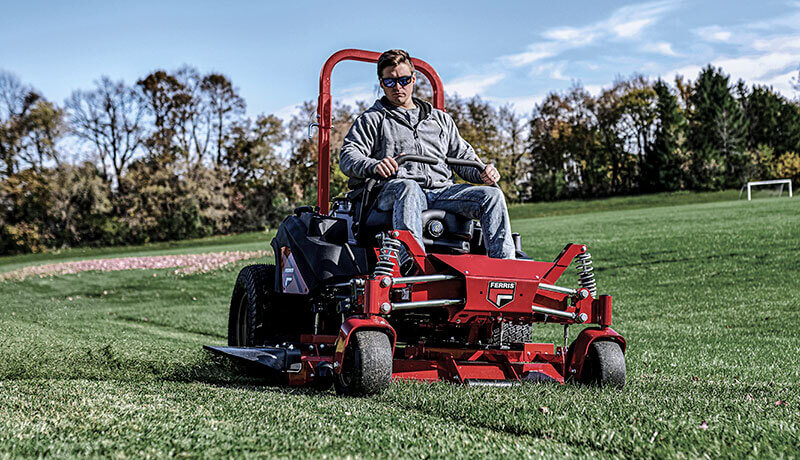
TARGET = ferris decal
x,y
500,293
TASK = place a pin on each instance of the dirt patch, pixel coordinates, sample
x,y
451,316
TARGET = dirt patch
x,y
186,263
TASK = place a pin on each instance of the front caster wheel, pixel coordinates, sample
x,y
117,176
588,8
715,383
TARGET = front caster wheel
x,y
604,365
367,366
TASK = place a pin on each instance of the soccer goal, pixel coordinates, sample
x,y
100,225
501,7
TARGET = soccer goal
x,y
780,182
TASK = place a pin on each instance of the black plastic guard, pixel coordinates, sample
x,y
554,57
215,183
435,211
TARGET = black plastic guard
x,y
317,243
275,359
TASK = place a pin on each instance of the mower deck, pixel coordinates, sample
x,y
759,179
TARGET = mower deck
x,y
535,362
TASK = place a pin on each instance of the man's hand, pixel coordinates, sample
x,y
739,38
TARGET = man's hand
x,y
490,176
386,167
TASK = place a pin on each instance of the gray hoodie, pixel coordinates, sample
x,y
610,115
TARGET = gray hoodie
x,y
383,131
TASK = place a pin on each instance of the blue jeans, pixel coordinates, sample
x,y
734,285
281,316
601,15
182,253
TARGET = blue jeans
x,y
406,199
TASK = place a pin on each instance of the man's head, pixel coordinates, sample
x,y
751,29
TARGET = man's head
x,y
394,69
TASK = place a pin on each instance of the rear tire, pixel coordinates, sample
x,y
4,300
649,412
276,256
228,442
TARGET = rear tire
x,y
604,365
259,315
367,366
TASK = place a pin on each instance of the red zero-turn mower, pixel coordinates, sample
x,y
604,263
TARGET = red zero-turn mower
x,y
354,302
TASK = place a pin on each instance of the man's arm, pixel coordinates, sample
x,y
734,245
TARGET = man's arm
x,y
354,158
459,148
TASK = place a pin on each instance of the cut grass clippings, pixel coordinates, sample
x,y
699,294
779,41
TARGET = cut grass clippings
x,y
110,363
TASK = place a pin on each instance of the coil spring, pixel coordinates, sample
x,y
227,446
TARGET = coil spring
x,y
586,273
387,255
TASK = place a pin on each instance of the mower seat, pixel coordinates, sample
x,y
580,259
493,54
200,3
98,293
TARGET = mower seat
x,y
442,231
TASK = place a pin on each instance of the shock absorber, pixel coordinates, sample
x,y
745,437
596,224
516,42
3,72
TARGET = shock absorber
x,y
387,255
586,273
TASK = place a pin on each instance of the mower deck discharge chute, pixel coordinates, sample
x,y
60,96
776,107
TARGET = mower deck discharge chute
x,y
353,302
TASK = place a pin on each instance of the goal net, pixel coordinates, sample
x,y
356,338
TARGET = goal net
x,y
767,188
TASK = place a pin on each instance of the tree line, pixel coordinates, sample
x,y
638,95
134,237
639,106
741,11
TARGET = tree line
x,y
175,156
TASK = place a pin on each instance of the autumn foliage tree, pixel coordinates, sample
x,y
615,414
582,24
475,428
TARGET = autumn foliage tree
x,y
175,155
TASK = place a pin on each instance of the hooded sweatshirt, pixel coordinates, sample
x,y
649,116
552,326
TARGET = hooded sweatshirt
x,y
384,131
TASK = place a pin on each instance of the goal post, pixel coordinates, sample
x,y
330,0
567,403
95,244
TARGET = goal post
x,y
770,182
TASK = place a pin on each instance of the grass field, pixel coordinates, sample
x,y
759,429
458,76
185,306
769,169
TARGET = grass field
x,y
707,295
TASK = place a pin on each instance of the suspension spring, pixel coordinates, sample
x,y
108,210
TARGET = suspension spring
x,y
387,255
586,273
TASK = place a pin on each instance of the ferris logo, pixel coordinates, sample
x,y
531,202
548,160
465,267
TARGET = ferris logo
x,y
500,293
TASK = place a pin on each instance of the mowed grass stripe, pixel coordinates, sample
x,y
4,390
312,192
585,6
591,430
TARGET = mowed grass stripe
x,y
172,419
705,295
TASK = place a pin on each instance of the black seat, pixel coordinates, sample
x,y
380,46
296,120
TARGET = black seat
x,y
442,231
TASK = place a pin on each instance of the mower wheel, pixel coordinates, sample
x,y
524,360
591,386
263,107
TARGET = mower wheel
x,y
367,366
258,314
511,333
604,365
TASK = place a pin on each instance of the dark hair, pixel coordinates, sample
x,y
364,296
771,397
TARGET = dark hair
x,y
393,58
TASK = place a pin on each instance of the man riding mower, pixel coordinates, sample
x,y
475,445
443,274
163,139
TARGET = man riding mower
x,y
403,283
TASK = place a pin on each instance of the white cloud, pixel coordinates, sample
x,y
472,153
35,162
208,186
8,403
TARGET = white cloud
x,y
594,90
630,21
631,28
523,105
779,43
714,34
790,20
286,113
347,96
571,35
758,67
536,52
554,70
355,94
472,85
782,83
660,48
624,24
770,69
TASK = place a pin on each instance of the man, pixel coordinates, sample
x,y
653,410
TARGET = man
x,y
399,124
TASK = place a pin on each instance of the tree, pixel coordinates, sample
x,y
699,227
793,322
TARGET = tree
x,y
773,120
637,106
224,105
260,178
662,169
609,113
304,151
43,126
717,132
109,119
192,115
161,94
16,101
512,163
548,147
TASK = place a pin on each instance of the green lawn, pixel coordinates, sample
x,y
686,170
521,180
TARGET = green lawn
x,y
110,364
620,203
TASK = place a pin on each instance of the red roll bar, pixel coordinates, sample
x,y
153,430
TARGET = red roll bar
x,y
324,107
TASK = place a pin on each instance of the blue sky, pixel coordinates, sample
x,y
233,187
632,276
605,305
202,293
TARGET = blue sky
x,y
504,51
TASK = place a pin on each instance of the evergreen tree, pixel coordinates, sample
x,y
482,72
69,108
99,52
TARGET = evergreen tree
x,y
773,121
662,168
717,132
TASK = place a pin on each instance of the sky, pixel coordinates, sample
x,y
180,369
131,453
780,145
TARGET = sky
x,y
506,52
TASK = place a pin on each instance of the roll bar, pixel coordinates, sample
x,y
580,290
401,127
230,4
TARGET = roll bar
x,y
325,105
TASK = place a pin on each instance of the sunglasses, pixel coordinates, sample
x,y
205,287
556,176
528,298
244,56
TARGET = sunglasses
x,y
390,82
